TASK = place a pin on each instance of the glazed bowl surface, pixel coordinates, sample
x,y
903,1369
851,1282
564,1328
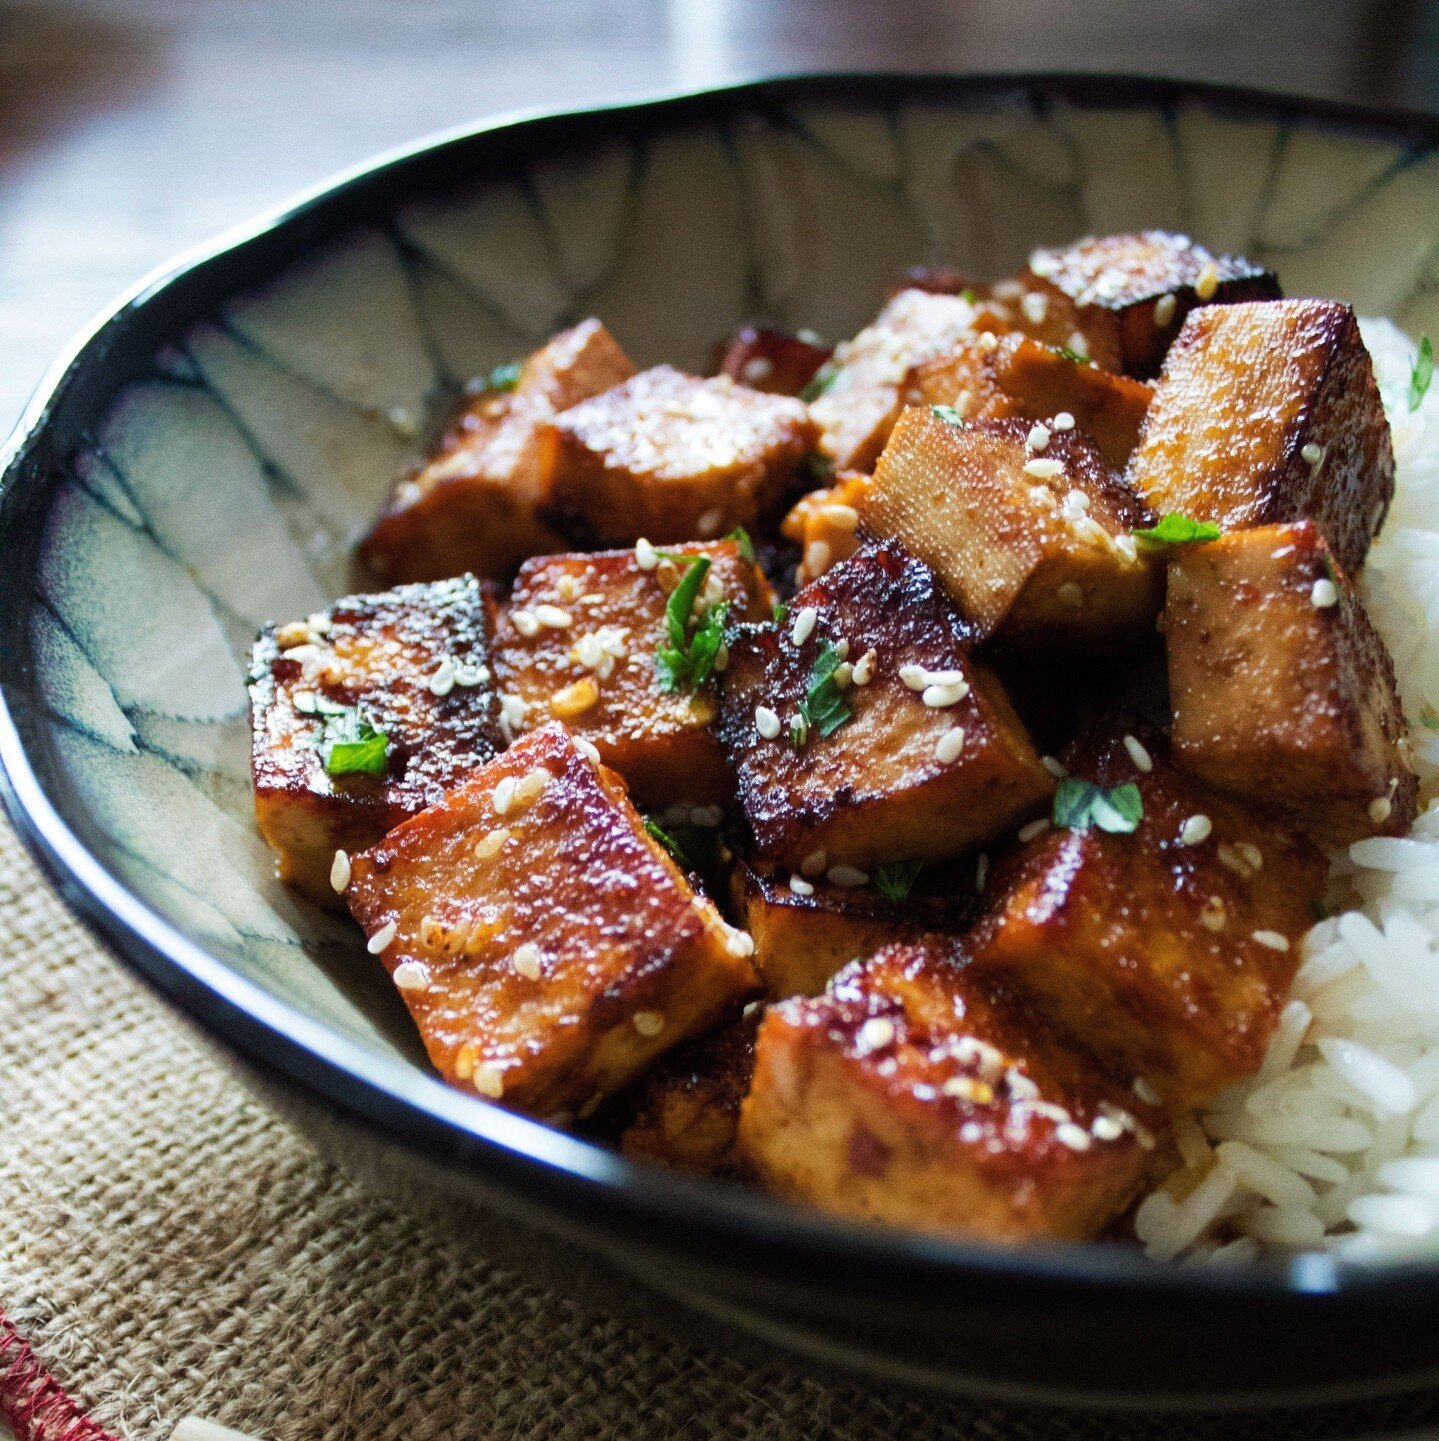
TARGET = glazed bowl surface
x,y
206,457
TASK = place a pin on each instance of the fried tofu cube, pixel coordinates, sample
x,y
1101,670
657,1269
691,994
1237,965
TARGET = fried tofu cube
x,y
862,397
910,751
772,361
824,524
1027,305
1282,689
1168,950
1018,376
672,457
1142,286
476,506
805,928
414,665
547,948
915,1093
1031,541
577,643
687,1112
1269,412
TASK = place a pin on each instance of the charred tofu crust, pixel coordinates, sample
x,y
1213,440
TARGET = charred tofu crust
x,y
1127,281
381,653
671,457
772,361
595,669
1168,951
881,787
475,506
547,949
917,1093
1282,690
1031,543
1266,413
687,1111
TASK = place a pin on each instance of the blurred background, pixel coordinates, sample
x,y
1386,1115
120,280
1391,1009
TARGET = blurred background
x,y
131,129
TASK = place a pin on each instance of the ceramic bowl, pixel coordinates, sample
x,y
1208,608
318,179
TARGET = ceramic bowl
x,y
206,457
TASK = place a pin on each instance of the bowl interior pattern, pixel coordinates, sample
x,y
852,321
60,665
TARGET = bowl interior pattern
x,y
227,485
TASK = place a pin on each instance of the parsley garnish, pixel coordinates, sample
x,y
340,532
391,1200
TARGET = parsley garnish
x,y
781,610
1422,373
694,847
350,745
503,377
687,661
1071,354
1174,529
741,538
895,879
1080,805
822,380
948,414
823,708
969,296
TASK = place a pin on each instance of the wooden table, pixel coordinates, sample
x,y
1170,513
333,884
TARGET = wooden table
x,y
131,129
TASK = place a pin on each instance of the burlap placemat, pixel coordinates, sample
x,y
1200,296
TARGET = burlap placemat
x,y
168,1247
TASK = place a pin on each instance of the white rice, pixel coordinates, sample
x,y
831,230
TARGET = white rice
x,y
1334,1144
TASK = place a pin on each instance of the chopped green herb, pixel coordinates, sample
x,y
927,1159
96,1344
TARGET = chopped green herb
x,y
1071,354
823,379
503,378
798,732
948,414
688,660
1174,529
741,538
697,848
350,745
895,879
1080,805
1428,719
781,610
1422,373
820,467
969,296
823,708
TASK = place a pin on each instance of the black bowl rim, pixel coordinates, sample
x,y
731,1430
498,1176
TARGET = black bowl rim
x,y
568,1177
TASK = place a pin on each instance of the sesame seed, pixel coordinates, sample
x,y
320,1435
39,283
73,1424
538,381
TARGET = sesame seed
x,y
813,864
864,667
526,622
875,1033
1251,853
1037,438
739,944
1019,1086
966,1088
804,624
1035,306
340,872
710,523
648,1023
1075,1137
382,938
818,555
1063,421
1323,593
305,701
988,341
1164,309
756,369
411,976
846,876
526,961
492,843
916,677
443,680
587,748
1272,939
940,696
490,1081
1105,1128
504,796
766,722
1145,1091
961,402
1312,454
575,698
1043,468
1208,281
800,886
590,1107
646,556
1033,829
981,872
471,675
1069,594
1213,914
295,633
721,660
553,617
532,787
842,517
1126,546
1137,753
947,749
1195,829
1379,809
844,675
1079,344
1054,766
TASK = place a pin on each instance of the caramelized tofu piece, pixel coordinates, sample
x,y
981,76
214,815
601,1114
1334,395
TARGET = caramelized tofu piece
x,y
577,643
992,379
862,397
1030,306
547,948
1168,950
772,361
1027,527
1269,412
824,524
917,1093
688,1107
1282,690
674,458
918,755
805,928
1143,285
412,663
476,505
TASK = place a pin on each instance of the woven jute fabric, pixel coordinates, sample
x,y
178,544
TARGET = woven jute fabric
x,y
168,1247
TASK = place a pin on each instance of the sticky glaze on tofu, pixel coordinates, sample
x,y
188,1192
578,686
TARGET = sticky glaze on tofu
x,y
577,643
687,1112
824,524
416,660
1266,413
805,928
990,379
547,948
673,458
476,505
896,781
772,361
1282,690
916,1093
1142,286
1030,539
1168,951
